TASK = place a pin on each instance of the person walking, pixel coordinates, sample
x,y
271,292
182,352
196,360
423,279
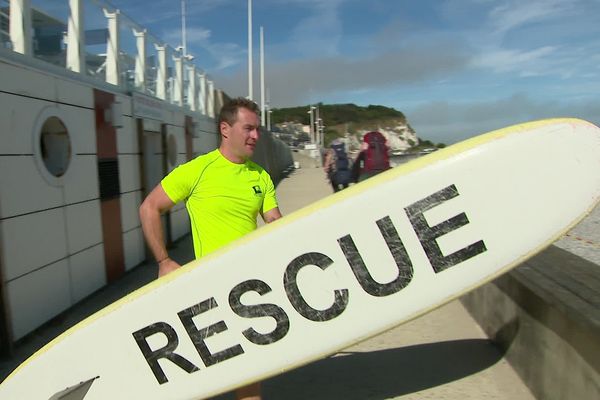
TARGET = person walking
x,y
337,165
373,157
224,191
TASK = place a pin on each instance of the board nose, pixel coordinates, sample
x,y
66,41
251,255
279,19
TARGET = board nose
x,y
75,392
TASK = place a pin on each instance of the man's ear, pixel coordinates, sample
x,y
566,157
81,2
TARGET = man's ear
x,y
224,128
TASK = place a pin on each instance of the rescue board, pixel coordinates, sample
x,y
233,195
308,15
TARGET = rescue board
x,y
332,274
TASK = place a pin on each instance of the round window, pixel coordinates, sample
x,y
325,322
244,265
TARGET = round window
x,y
55,146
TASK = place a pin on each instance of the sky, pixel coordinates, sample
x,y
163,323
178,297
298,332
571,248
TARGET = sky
x,y
455,68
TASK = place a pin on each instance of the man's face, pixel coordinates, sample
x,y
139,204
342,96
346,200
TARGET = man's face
x,y
240,138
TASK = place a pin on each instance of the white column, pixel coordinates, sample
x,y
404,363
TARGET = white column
x,y
192,97
161,72
202,93
140,59
178,92
75,37
262,78
113,73
211,99
20,26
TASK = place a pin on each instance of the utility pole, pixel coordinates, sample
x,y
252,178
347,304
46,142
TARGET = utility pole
x,y
183,34
262,78
312,124
250,89
317,125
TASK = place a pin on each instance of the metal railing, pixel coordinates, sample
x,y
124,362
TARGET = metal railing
x,y
113,48
5,24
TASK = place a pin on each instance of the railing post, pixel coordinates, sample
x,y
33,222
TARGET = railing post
x,y
192,97
75,38
113,48
20,27
140,60
211,99
161,72
202,93
178,92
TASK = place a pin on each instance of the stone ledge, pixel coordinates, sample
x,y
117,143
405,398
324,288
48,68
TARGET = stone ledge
x,y
545,315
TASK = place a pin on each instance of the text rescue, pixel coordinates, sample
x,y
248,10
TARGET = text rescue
x,y
427,237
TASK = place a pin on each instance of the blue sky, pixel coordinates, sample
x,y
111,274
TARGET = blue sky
x,y
456,68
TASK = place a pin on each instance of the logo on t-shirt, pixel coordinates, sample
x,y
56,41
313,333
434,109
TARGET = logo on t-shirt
x,y
257,190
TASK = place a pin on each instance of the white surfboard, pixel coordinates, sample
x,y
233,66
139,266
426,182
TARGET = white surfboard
x,y
346,268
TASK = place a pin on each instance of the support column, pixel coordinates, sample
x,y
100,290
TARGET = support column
x,y
192,97
161,72
211,99
202,93
113,74
75,38
140,60
20,26
178,92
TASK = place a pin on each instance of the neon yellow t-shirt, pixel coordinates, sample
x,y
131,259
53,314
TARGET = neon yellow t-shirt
x,y
223,199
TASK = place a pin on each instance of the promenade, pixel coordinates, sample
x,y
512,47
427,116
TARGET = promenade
x,y
441,355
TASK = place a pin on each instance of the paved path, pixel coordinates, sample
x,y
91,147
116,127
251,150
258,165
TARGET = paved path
x,y
584,239
442,355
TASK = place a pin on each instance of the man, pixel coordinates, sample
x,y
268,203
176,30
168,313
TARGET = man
x,y
224,191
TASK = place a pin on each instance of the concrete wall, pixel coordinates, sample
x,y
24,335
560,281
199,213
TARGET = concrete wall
x,y
51,246
52,251
545,315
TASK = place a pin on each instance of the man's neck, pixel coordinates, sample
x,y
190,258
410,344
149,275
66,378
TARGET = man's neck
x,y
231,157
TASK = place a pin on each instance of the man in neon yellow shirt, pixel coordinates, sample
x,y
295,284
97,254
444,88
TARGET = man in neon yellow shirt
x,y
224,191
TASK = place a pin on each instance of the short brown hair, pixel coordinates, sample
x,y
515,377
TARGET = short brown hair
x,y
230,109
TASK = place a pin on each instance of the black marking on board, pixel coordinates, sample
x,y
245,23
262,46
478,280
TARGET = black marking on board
x,y
360,270
259,310
295,296
152,356
428,234
199,336
75,392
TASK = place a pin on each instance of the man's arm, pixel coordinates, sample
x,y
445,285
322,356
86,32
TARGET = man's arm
x,y
272,215
156,203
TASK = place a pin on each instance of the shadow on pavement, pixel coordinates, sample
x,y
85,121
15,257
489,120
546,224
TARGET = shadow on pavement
x,y
382,374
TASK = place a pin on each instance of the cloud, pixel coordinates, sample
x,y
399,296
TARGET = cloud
x,y
320,32
513,14
452,122
303,81
525,62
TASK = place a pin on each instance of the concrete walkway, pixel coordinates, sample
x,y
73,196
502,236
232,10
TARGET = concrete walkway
x,y
442,355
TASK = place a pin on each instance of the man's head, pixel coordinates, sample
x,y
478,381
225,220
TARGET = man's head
x,y
238,125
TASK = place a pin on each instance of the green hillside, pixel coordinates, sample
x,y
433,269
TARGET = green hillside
x,y
336,114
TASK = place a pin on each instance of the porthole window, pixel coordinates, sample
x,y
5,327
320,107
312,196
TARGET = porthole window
x,y
55,146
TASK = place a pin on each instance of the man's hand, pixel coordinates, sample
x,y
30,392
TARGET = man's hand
x,y
167,265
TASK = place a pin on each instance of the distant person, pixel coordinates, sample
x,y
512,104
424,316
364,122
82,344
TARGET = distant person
x,y
224,191
373,157
337,165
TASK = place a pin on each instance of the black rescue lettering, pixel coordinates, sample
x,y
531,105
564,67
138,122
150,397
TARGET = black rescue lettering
x,y
396,247
428,234
199,336
152,356
259,310
293,293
